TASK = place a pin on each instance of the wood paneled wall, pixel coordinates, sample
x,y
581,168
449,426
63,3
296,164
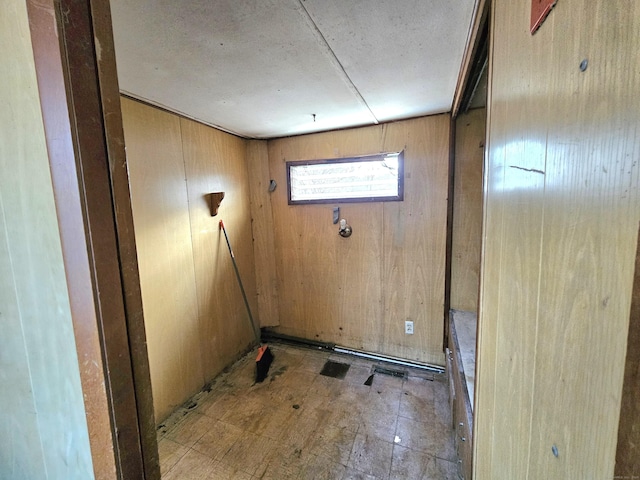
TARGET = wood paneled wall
x,y
628,451
560,228
262,226
195,317
43,428
467,210
216,162
358,291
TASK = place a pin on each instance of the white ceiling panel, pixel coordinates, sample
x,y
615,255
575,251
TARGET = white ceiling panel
x,y
262,69
403,56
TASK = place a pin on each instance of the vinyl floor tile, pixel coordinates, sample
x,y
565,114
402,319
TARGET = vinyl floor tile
x,y
353,474
371,455
407,463
298,424
188,431
192,466
284,462
219,440
432,437
248,453
321,468
170,453
333,443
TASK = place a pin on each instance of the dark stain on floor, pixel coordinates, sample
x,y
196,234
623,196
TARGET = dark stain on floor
x,y
335,369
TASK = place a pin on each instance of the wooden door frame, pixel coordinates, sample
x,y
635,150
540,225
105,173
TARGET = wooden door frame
x,y
79,95
480,18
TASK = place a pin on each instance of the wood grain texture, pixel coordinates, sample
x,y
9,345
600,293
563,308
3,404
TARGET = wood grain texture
x,y
560,227
263,235
43,427
359,291
467,210
414,242
62,162
463,423
215,162
165,255
196,320
628,450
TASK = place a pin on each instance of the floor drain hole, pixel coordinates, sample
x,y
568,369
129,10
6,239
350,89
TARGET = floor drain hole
x,y
335,369
393,372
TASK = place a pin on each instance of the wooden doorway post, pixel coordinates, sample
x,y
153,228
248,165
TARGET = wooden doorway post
x,y
75,66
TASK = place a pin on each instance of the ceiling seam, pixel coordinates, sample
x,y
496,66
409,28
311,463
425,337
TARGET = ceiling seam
x,y
339,67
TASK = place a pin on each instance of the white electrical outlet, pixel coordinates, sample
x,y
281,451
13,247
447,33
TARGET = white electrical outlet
x,y
408,327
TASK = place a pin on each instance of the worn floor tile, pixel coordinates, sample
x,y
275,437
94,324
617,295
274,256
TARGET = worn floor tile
x,y
415,406
442,470
371,455
333,443
301,429
218,440
221,406
433,437
384,399
382,426
271,420
284,462
170,453
246,414
344,415
325,386
321,468
357,374
289,357
192,466
353,474
190,429
298,424
220,470
407,463
248,452
313,362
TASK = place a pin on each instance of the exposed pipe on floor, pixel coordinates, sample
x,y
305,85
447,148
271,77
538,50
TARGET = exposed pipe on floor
x,y
268,335
384,358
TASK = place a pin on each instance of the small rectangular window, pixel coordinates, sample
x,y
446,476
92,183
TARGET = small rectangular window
x,y
374,178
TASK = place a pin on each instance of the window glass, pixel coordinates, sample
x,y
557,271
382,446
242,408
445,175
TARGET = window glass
x,y
361,179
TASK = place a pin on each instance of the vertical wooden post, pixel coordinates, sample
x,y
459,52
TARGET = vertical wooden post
x,y
449,247
75,66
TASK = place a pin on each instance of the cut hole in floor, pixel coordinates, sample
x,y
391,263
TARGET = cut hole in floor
x,y
394,372
335,369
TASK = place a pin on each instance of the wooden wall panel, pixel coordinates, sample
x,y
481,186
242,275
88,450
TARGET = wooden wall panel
x,y
43,428
196,320
262,229
215,162
628,450
359,291
165,254
467,210
513,207
414,242
560,229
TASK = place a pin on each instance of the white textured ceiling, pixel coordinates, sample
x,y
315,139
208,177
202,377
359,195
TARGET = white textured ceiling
x,y
263,68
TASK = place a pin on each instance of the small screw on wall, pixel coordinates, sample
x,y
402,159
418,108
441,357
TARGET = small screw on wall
x,y
554,449
584,64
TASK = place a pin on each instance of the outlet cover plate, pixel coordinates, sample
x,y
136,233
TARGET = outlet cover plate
x,y
408,327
